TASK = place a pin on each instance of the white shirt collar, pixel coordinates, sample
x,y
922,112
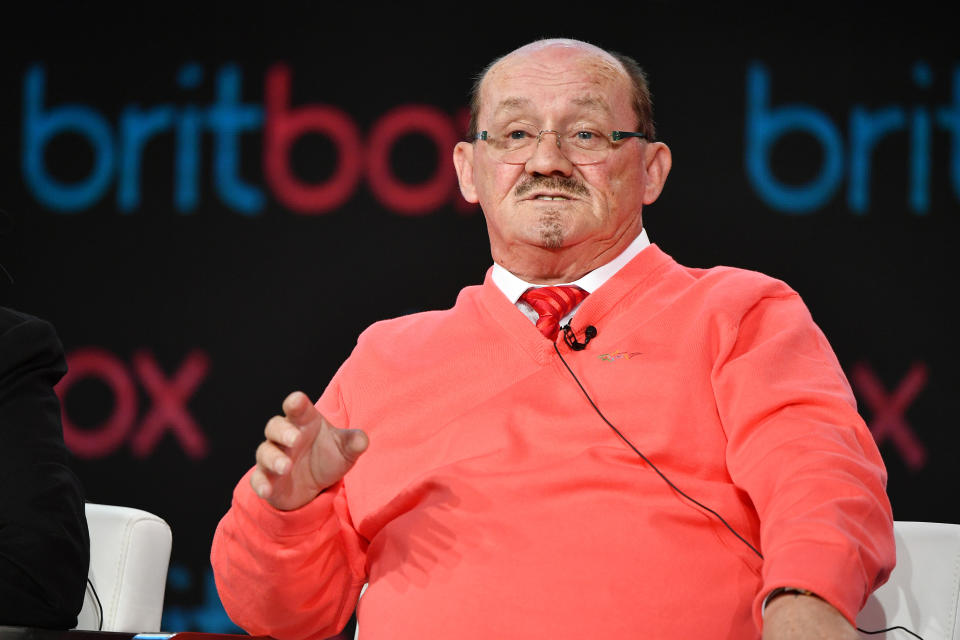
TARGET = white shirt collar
x,y
513,287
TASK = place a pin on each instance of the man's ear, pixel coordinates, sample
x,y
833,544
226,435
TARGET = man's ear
x,y
463,161
658,160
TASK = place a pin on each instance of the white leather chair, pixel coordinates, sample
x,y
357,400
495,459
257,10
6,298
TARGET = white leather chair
x,y
356,632
923,592
129,557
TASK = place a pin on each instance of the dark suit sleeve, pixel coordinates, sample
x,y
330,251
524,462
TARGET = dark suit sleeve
x,y
44,544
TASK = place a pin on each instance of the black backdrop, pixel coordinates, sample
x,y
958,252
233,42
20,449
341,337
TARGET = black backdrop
x,y
198,270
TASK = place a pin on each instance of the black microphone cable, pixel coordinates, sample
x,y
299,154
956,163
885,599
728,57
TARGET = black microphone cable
x,y
647,460
666,479
96,598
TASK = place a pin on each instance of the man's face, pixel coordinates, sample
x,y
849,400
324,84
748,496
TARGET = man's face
x,y
550,206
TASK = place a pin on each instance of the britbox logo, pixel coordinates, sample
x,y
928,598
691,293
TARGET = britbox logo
x,y
849,157
118,149
169,395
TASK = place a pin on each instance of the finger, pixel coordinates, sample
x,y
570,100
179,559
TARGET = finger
x,y
298,409
261,483
352,443
271,459
281,431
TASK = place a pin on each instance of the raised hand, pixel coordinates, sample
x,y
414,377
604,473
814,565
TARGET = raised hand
x,y
302,455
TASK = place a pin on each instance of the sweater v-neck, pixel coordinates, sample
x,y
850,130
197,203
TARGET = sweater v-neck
x,y
516,326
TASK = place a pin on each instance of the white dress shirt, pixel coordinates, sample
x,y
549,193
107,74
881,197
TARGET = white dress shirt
x,y
513,287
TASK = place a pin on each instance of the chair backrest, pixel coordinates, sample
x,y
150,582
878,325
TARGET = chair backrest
x,y
923,592
356,631
129,557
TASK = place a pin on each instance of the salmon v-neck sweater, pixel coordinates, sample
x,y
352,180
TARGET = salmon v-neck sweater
x,y
494,502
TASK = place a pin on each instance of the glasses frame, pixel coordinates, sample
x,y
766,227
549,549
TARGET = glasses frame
x,y
615,136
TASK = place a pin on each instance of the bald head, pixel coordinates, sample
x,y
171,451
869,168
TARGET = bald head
x,y
607,65
577,47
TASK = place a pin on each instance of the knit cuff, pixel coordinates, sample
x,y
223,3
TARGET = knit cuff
x,y
834,573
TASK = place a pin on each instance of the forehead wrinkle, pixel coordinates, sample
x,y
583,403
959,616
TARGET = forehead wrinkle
x,y
587,103
512,103
595,73
593,103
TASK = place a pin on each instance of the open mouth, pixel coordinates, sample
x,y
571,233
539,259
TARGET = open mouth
x,y
550,196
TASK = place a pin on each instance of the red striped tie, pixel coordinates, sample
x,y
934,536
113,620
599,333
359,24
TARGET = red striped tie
x,y
552,304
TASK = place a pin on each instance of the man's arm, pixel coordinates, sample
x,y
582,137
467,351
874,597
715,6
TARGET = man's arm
x,y
798,447
44,544
286,558
792,616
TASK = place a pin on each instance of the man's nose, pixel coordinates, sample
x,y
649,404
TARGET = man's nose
x,y
548,158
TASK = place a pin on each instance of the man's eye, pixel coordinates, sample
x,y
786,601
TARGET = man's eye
x,y
518,134
584,135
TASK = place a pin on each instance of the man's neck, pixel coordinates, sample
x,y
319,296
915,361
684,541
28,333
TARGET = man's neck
x,y
513,285
541,266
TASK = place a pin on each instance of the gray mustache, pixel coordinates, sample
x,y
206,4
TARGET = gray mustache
x,y
552,183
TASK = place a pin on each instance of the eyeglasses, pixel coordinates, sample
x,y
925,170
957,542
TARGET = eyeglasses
x,y
517,143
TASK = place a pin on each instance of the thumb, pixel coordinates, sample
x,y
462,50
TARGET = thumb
x,y
352,443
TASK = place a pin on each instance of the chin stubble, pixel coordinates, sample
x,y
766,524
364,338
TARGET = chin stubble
x,y
551,230
550,225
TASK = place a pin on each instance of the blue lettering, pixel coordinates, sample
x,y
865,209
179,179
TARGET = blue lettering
x,y
227,118
920,162
190,76
186,188
41,126
208,616
186,166
765,126
136,128
920,146
948,117
866,129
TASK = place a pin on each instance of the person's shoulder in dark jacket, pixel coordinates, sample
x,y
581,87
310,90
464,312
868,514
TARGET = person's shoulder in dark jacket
x,y
44,543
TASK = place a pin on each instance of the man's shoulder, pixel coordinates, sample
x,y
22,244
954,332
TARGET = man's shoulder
x,y
725,282
417,342
659,270
420,326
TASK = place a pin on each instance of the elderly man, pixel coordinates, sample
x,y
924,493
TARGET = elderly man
x,y
638,449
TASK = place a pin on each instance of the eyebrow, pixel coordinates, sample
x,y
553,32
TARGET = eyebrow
x,y
592,102
516,103
512,104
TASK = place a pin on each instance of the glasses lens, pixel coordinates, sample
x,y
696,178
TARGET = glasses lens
x,y
585,146
516,144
